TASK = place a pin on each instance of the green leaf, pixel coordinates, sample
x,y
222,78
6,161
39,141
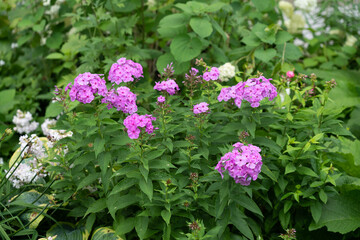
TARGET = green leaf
x,y
104,160
173,25
323,196
116,203
53,110
238,221
284,219
248,203
283,37
55,40
105,233
141,226
201,26
185,48
166,215
96,206
290,168
89,179
99,145
65,230
292,52
265,55
268,172
123,185
55,56
265,33
306,171
146,187
316,209
287,206
124,225
7,100
341,213
264,6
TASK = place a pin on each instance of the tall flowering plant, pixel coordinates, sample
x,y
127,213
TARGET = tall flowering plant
x,y
154,160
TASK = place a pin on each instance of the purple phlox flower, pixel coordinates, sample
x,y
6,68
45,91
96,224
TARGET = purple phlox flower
x,y
134,122
125,71
212,75
161,99
201,108
85,86
170,86
243,163
122,99
253,90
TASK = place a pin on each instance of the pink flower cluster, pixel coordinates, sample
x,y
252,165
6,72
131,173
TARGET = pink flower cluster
x,y
125,71
170,86
85,86
253,91
122,99
134,122
212,75
201,108
243,163
161,99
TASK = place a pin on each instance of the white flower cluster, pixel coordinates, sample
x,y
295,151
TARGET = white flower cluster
x,y
32,145
25,173
2,62
226,71
306,5
54,9
1,161
54,134
23,122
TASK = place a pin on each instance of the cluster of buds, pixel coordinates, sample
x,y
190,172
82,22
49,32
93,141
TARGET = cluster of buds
x,y
192,80
330,84
289,235
194,226
168,72
190,139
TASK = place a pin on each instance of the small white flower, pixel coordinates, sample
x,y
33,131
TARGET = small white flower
x,y
2,62
14,45
295,23
1,161
23,123
350,40
54,10
226,72
306,5
46,2
287,8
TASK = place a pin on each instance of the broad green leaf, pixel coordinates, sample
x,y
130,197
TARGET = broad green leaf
x,y
248,203
89,179
123,185
105,233
99,145
55,40
53,110
173,25
185,48
141,226
147,187
265,55
7,100
66,230
239,222
124,225
55,56
166,215
201,26
316,209
265,33
264,6
96,206
268,172
341,213
290,168
306,171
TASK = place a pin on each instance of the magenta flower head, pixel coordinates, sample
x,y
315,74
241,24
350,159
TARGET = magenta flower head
x,y
122,99
212,75
201,108
85,86
134,123
243,163
125,71
253,90
290,74
170,86
161,99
